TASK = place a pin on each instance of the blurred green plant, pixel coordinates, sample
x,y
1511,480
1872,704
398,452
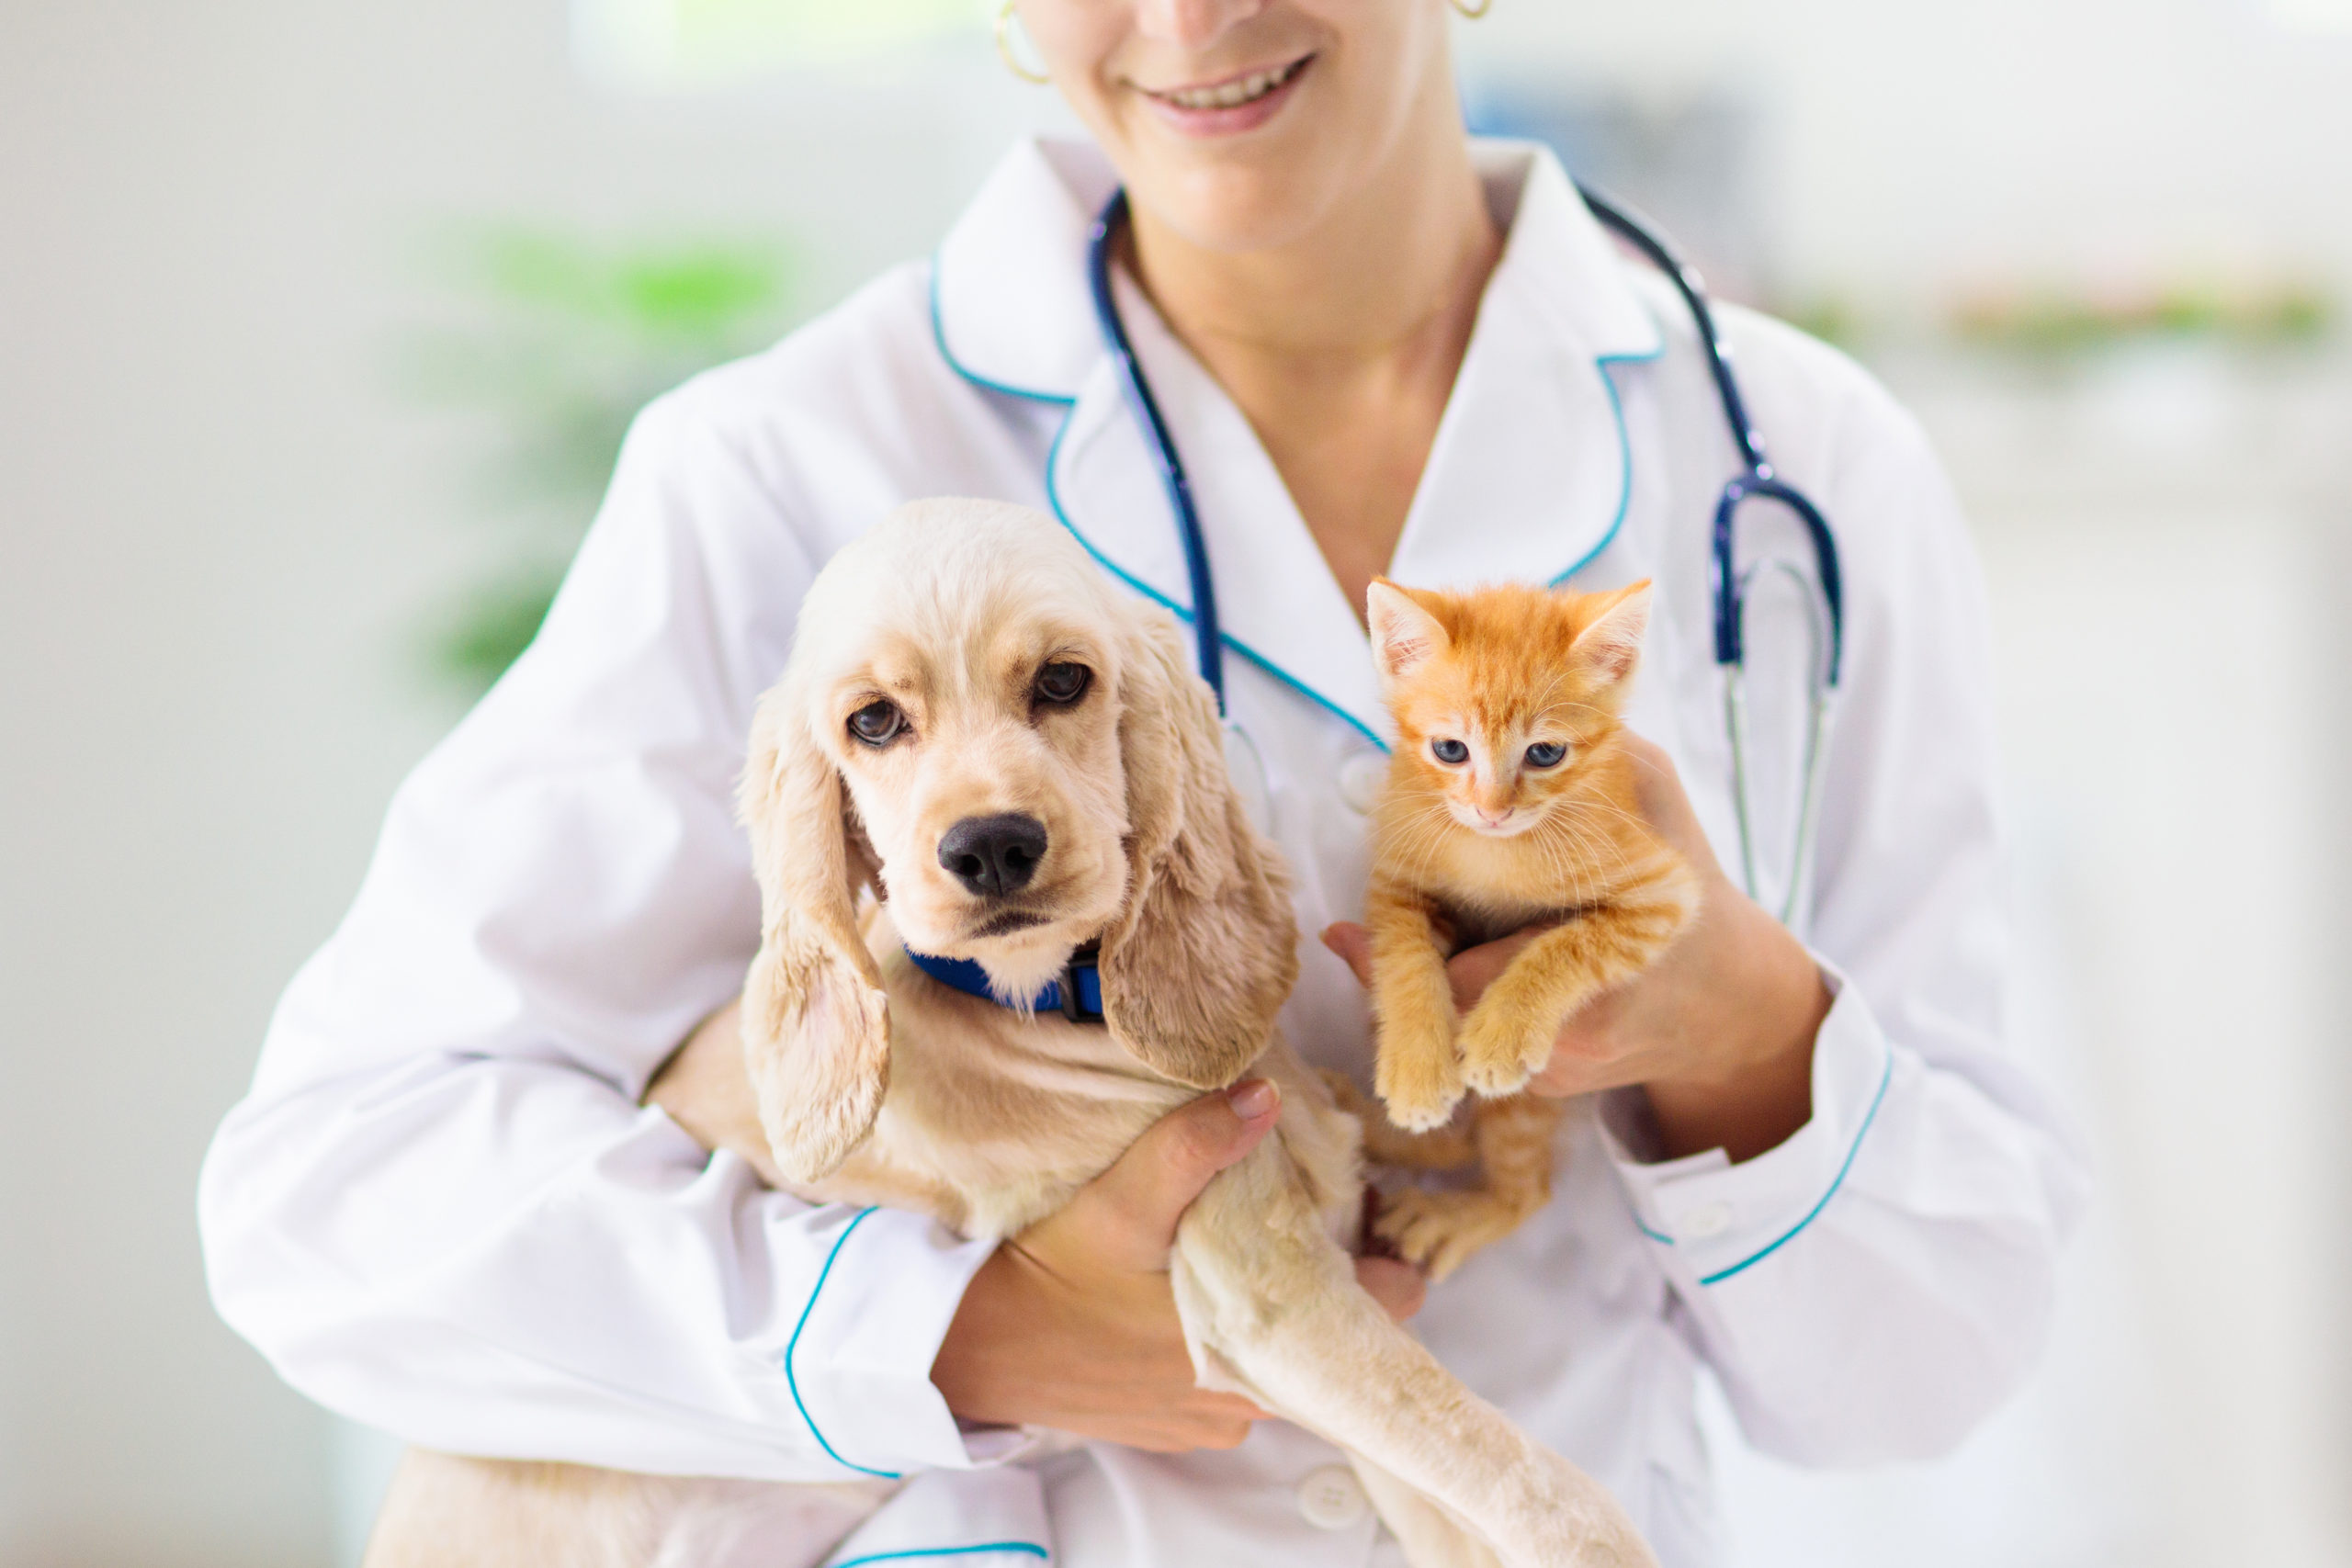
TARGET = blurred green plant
x,y
2057,325
552,342
1829,317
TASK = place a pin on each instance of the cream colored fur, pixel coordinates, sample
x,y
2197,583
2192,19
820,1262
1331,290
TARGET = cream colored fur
x,y
864,1081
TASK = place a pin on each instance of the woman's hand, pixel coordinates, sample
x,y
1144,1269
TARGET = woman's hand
x,y
1719,1031
1072,1324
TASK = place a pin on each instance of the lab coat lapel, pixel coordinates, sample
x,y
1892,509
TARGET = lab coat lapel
x,y
1530,477
1278,605
1008,301
1532,474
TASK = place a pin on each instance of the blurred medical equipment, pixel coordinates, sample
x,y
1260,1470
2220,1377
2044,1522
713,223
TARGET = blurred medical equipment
x,y
1823,595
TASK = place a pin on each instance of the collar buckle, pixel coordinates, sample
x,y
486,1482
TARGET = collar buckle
x,y
1081,986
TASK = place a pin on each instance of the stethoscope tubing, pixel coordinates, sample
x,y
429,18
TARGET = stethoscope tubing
x,y
1207,637
1728,585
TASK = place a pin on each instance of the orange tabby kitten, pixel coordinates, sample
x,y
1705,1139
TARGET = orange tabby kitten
x,y
1510,802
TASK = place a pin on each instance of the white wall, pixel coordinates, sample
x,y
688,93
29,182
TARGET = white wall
x,y
2165,545
1917,150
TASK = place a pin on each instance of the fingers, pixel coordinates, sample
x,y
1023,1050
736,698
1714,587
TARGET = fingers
x,y
1397,1287
1658,787
1353,944
1202,1421
1474,969
1133,1207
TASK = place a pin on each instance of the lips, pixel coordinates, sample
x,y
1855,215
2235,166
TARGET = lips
x,y
1236,104
1233,93
1005,922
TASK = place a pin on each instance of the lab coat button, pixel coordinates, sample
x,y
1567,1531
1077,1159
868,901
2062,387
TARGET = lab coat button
x,y
1705,1220
1332,1499
1361,778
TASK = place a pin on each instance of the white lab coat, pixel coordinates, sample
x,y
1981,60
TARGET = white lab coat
x,y
441,1211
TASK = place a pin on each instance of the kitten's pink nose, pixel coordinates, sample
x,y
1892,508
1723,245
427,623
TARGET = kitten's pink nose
x,y
1494,818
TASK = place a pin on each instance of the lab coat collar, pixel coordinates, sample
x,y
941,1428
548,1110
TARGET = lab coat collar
x,y
1009,298
1529,480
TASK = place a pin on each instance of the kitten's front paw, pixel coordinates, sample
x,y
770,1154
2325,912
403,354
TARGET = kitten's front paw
x,y
1420,1082
1438,1232
1503,1046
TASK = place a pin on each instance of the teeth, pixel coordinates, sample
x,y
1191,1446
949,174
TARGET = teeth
x,y
1233,95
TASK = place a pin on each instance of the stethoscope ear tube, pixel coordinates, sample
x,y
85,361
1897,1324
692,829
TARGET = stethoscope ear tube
x,y
1208,638
1730,585
1756,480
1821,701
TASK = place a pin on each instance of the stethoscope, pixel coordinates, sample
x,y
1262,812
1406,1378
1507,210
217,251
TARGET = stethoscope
x,y
1823,596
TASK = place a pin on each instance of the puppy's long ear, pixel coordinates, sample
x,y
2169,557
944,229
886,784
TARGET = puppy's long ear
x,y
1206,949
816,1022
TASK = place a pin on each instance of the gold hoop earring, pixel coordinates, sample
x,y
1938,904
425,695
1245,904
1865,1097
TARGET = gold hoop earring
x,y
1005,22
1475,10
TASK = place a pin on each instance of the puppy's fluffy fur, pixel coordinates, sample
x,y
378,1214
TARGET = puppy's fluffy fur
x,y
873,1083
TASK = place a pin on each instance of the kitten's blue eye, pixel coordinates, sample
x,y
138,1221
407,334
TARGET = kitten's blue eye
x,y
1452,753
1545,754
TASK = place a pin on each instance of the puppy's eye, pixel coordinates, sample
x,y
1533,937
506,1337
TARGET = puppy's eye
x,y
1452,753
1063,683
1545,754
877,723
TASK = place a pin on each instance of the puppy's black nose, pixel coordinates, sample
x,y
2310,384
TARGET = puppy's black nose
x,y
994,855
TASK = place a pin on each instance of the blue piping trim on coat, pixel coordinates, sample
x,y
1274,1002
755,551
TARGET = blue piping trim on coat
x,y
1663,1240
1026,1548
1184,612
791,1383
1601,363
1605,364
1886,1077
939,336
1053,494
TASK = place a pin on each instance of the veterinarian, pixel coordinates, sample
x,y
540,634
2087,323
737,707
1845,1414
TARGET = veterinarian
x,y
1807,1162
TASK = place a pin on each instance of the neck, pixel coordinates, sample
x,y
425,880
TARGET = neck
x,y
1393,263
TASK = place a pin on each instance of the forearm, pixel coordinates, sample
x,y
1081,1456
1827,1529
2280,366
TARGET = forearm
x,y
1751,1089
706,1090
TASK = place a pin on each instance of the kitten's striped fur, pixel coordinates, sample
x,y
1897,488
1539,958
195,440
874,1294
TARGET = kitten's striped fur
x,y
1479,835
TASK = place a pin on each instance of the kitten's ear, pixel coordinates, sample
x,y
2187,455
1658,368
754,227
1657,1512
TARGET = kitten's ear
x,y
1611,645
1404,635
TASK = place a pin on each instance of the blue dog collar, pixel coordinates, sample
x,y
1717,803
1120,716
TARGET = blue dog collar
x,y
1077,995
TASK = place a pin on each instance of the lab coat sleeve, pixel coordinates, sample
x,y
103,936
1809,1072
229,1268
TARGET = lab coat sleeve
x,y
1875,1286
441,1210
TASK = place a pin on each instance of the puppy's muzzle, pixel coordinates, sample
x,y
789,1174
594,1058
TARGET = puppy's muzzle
x,y
993,856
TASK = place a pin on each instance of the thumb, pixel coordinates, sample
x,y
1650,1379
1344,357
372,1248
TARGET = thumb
x,y
1133,1207
1353,943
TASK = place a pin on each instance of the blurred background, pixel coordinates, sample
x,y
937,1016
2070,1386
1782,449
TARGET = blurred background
x,y
317,327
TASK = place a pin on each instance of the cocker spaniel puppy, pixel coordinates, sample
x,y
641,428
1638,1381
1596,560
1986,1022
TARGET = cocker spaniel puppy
x,y
1013,758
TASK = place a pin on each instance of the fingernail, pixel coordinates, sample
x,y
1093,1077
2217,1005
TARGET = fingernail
x,y
1255,1099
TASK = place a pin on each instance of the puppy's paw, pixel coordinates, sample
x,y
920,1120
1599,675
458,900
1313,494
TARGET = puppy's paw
x,y
1503,1046
1421,1085
1438,1232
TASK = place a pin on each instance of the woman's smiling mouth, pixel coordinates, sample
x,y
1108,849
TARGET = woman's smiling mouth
x,y
1236,104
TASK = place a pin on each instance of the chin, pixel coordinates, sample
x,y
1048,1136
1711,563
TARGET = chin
x,y
1021,944
1021,963
1513,828
1239,200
